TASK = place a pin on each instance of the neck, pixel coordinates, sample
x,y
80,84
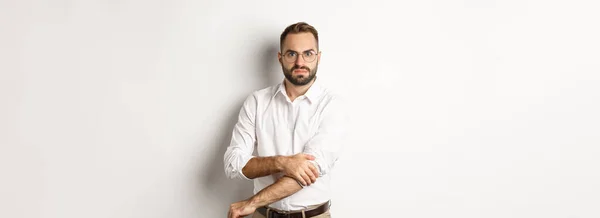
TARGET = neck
x,y
293,91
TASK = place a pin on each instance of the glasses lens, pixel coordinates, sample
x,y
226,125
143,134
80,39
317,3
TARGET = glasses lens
x,y
290,57
309,56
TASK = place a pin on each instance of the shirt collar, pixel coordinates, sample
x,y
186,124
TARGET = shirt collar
x,y
314,91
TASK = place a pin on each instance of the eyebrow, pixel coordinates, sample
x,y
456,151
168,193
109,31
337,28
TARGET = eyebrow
x,y
289,50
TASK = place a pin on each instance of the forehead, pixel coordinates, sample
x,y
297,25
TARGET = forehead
x,y
299,42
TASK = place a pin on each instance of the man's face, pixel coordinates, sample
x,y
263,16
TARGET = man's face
x,y
295,48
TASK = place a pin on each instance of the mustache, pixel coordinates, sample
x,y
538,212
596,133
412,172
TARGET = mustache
x,y
296,67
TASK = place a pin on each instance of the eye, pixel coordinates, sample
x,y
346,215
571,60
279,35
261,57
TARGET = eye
x,y
291,54
308,53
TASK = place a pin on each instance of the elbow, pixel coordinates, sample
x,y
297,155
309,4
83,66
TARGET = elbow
x,y
325,159
324,166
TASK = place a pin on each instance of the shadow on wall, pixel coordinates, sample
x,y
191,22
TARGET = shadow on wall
x,y
270,67
221,190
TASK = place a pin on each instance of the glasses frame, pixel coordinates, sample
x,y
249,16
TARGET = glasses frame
x,y
316,54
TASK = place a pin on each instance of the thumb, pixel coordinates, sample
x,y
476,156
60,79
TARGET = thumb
x,y
310,157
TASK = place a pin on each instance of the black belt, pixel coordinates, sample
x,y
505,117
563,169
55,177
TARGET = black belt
x,y
308,213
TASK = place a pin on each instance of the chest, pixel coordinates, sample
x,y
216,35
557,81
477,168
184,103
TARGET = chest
x,y
283,128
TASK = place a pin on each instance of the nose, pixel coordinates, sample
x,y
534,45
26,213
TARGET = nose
x,y
299,60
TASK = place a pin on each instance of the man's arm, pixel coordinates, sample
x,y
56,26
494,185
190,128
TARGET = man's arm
x,y
263,166
243,138
238,159
327,144
282,188
296,166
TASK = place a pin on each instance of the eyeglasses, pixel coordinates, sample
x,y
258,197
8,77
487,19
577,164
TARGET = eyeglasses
x,y
292,56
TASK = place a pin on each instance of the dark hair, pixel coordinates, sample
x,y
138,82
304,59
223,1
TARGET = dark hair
x,y
300,27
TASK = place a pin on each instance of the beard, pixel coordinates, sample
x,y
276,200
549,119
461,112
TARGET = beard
x,y
300,79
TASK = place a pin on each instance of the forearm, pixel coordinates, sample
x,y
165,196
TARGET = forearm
x,y
262,166
284,187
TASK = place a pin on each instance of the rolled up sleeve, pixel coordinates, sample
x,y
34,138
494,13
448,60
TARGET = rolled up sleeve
x,y
327,144
243,139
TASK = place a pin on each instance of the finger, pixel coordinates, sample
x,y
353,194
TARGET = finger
x,y
313,168
312,175
301,179
309,157
311,172
306,178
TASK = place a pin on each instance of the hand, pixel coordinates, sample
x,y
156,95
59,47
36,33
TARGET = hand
x,y
299,168
241,209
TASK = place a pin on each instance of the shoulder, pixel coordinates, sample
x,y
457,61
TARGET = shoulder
x,y
265,93
332,98
261,95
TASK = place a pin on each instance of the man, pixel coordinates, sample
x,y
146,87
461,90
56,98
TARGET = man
x,y
297,127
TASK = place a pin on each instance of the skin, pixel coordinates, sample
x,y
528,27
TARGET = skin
x,y
299,43
300,75
295,166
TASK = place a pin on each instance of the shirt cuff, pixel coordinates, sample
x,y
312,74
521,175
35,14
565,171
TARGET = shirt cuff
x,y
243,164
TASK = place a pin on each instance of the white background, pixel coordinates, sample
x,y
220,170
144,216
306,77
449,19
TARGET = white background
x,y
467,108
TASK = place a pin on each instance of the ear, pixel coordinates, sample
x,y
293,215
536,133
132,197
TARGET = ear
x,y
279,57
319,57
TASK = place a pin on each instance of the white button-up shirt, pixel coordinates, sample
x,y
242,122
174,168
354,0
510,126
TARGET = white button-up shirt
x,y
313,123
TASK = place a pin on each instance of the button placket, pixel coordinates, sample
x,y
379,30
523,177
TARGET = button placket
x,y
291,117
